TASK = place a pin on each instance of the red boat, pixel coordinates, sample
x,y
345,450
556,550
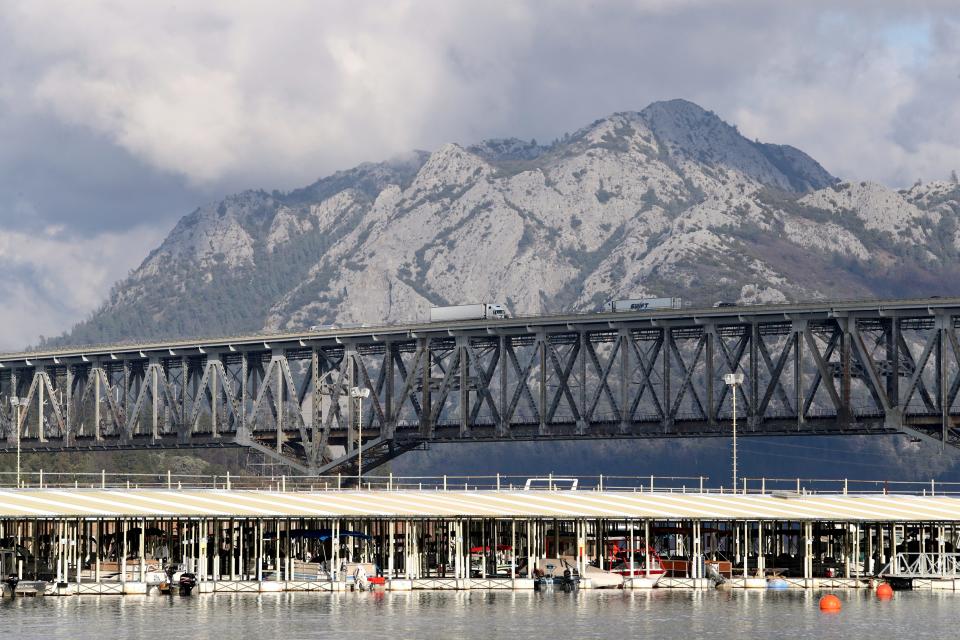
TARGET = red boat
x,y
619,558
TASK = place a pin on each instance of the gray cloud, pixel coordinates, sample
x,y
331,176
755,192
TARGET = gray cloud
x,y
238,90
117,118
52,278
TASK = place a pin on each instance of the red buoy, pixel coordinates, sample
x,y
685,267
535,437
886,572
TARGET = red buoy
x,y
830,602
884,591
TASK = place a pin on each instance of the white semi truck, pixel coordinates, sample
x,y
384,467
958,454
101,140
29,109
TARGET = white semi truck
x,y
643,304
479,311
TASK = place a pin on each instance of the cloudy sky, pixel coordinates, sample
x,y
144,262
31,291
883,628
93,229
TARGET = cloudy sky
x,y
116,118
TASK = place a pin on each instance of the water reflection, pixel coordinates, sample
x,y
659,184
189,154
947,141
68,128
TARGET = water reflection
x,y
490,615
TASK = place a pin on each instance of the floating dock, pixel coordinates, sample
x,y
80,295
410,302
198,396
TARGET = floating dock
x,y
120,541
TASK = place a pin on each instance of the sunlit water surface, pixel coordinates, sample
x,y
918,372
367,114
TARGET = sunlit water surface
x,y
435,615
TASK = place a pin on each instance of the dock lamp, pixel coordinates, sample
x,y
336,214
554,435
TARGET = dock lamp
x,y
359,393
734,380
18,404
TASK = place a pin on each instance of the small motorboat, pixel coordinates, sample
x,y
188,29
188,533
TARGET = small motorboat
x,y
174,580
638,572
556,573
602,579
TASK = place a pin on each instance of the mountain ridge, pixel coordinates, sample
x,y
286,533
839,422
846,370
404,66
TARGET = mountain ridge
x,y
669,200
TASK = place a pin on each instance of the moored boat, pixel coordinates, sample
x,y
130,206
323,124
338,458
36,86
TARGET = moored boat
x,y
643,564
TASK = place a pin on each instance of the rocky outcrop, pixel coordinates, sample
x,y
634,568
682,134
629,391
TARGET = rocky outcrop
x,y
668,201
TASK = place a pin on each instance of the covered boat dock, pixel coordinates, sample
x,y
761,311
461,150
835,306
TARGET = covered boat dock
x,y
121,540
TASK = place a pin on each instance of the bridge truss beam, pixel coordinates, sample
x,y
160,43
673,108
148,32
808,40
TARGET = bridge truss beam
x,y
859,370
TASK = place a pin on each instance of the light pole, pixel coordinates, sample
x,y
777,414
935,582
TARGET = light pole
x,y
359,393
733,381
18,403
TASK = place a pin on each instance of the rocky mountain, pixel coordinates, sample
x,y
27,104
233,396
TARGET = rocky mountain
x,y
669,200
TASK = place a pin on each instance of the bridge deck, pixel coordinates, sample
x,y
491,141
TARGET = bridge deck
x,y
700,315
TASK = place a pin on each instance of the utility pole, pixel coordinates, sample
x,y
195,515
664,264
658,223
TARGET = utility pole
x,y
358,394
18,404
734,380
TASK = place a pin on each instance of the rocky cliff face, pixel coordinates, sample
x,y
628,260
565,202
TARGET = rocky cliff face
x,y
666,201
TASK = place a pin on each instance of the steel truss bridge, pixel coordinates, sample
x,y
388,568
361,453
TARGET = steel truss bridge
x,y
870,367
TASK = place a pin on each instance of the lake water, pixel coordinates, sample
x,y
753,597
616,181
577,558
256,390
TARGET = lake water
x,y
450,615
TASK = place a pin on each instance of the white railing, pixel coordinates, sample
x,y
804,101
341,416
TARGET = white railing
x,y
923,565
848,486
778,487
496,482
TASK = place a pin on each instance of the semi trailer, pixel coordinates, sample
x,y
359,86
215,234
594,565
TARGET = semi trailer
x,y
478,311
643,304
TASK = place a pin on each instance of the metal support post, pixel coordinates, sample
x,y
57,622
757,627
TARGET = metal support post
x,y
697,550
513,548
647,546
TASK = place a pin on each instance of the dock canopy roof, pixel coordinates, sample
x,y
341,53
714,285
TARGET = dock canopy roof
x,y
92,503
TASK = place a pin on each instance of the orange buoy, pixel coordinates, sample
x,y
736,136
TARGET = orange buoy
x,y
830,602
884,591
